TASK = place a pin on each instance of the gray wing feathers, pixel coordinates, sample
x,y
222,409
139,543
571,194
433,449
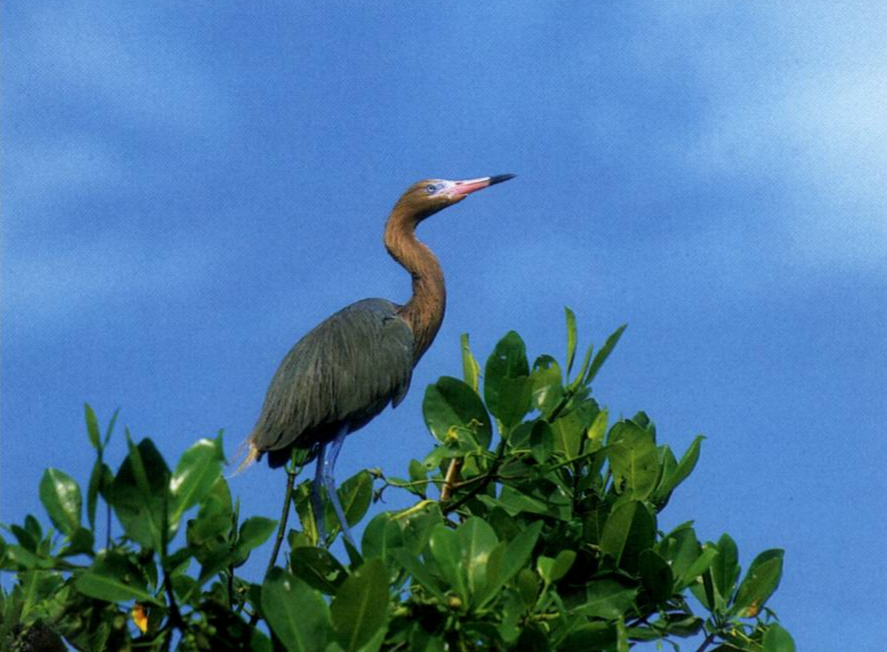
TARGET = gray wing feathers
x,y
345,371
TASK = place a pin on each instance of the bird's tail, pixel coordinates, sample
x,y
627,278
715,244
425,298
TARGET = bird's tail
x,y
249,452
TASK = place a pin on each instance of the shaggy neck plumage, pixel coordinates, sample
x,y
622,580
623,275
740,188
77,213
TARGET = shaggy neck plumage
x,y
425,310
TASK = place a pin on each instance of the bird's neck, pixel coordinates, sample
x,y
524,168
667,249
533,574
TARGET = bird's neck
x,y
424,311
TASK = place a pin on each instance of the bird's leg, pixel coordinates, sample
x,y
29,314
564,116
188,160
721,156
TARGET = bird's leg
x,y
316,500
329,481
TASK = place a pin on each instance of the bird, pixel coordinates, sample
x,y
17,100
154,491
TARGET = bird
x,y
352,365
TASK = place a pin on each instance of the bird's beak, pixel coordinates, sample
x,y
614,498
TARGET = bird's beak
x,y
461,189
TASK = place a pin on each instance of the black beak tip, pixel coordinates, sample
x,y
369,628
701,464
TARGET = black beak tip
x,y
499,178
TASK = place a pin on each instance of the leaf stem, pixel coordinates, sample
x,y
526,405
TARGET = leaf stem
x,y
708,641
291,473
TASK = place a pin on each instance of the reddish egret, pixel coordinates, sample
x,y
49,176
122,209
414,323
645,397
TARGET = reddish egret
x,y
352,365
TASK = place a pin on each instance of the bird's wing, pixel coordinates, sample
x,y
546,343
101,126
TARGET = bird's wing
x,y
344,372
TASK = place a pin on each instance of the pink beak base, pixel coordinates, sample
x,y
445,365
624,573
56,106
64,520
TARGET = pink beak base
x,y
468,186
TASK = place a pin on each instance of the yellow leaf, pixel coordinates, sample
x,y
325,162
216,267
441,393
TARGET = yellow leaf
x,y
140,617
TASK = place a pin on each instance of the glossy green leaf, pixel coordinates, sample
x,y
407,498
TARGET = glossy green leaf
x,y
561,565
684,469
419,572
629,530
542,441
725,568
777,639
569,431
446,550
571,338
114,578
603,354
214,520
360,608
92,427
507,386
634,459
656,577
470,367
418,473
253,532
110,429
548,389
680,548
139,492
81,541
318,568
196,473
516,556
598,429
604,598
699,566
451,404
355,496
477,540
380,536
760,582
297,614
61,497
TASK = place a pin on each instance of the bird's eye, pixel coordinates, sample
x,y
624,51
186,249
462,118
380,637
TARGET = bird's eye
x,y
430,188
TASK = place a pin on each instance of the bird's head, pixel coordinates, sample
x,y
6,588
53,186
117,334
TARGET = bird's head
x,y
425,198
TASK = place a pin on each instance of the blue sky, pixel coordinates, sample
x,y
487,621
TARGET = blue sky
x,y
186,191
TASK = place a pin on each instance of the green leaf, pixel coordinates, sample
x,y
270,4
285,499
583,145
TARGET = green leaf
x,y
548,390
571,338
360,608
110,429
598,428
699,566
470,367
629,530
139,492
297,614
604,598
559,566
81,542
507,386
603,354
760,582
61,497
112,577
542,441
569,431
196,473
516,557
777,639
318,568
656,577
100,481
634,459
451,404
380,536
477,540
725,568
355,496
253,533
419,572
685,467
446,551
92,427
